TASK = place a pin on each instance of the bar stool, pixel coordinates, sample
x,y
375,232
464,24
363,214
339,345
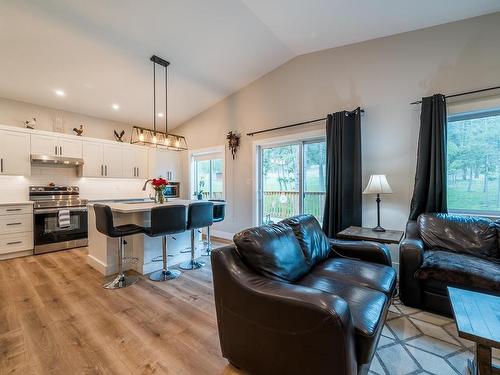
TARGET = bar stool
x,y
200,215
104,224
166,220
218,215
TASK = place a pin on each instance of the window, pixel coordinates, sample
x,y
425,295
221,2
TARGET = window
x,y
473,161
208,175
292,180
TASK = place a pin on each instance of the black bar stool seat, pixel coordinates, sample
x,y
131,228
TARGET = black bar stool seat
x,y
166,220
200,215
105,225
219,214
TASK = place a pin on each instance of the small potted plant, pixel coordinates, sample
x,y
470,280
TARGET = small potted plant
x,y
198,195
158,185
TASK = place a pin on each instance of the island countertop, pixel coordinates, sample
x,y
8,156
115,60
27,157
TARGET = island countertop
x,y
133,207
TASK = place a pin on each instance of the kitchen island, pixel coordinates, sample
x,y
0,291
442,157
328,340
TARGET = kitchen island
x,y
103,250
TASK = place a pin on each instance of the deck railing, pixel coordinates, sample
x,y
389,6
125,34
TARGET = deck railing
x,y
282,204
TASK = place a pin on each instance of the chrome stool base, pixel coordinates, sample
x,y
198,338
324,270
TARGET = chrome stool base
x,y
164,275
121,281
191,265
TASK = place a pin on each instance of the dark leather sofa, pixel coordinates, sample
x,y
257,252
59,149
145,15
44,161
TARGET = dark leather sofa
x,y
291,301
444,249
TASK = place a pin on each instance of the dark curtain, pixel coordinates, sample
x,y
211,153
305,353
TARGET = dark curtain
x,y
343,172
429,192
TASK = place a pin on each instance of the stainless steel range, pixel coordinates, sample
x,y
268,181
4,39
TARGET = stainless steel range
x,y
60,218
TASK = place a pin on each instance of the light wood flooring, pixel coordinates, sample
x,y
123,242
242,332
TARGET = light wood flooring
x,y
55,318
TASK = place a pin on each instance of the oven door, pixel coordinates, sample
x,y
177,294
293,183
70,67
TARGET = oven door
x,y
49,236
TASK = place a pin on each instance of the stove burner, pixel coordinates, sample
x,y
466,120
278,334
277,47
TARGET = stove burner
x,y
56,197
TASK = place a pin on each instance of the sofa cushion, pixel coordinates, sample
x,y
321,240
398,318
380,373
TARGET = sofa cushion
x,y
273,251
368,310
312,239
370,275
459,269
461,234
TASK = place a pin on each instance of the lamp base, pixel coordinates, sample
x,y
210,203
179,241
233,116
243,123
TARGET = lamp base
x,y
378,228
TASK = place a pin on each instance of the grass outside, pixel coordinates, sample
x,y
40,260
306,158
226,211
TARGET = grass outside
x,y
460,198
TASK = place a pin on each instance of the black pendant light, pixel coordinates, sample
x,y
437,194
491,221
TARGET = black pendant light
x,y
154,137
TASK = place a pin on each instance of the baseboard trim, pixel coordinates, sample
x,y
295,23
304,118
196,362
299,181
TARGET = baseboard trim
x,y
98,265
17,254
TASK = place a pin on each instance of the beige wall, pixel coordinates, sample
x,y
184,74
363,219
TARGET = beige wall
x,y
383,76
14,113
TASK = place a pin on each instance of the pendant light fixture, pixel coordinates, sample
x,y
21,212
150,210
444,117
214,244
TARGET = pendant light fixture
x,y
154,137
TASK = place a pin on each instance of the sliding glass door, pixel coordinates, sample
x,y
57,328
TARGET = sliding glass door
x,y
291,180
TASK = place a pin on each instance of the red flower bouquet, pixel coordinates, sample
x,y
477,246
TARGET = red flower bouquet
x,y
158,185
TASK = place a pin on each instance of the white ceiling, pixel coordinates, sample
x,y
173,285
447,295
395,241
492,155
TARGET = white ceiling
x,y
98,51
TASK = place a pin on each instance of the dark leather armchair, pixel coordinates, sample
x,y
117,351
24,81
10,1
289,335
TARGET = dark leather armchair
x,y
287,303
441,250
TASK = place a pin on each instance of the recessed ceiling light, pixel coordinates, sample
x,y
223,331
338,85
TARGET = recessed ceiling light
x,y
60,92
160,114
116,107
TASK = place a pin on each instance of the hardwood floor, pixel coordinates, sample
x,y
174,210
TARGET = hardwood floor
x,y
56,319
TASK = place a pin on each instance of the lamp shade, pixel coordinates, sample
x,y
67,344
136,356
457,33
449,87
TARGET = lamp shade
x,y
378,185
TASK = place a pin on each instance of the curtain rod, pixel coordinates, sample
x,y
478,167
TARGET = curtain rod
x,y
297,124
463,93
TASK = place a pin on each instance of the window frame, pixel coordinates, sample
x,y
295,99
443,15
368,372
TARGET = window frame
x,y
218,153
466,113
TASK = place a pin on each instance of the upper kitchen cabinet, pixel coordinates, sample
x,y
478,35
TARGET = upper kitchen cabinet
x,y
135,162
56,146
102,160
165,163
14,153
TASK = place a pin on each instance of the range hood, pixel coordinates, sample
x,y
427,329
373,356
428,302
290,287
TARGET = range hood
x,y
56,160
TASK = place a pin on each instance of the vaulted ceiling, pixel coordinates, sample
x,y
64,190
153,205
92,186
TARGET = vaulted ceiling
x,y
97,52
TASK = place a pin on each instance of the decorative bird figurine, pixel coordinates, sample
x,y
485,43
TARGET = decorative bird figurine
x,y
119,137
30,124
78,132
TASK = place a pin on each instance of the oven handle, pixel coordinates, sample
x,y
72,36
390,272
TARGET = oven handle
x,y
54,210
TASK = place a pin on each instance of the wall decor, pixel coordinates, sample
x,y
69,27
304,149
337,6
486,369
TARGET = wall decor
x,y
57,122
119,137
233,142
79,132
30,124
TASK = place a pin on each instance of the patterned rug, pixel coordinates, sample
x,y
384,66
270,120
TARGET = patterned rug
x,y
418,342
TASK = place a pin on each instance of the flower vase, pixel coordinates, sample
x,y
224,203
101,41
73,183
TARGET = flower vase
x,y
159,198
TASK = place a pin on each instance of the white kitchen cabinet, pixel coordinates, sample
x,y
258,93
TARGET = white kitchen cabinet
x,y
93,159
55,146
135,162
14,153
71,148
113,161
102,160
166,163
16,230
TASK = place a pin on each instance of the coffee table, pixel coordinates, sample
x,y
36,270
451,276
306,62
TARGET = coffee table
x,y
477,316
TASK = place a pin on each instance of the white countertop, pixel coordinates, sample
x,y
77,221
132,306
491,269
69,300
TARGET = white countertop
x,y
128,208
16,203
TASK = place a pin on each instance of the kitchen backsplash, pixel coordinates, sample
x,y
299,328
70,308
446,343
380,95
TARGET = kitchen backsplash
x,y
15,188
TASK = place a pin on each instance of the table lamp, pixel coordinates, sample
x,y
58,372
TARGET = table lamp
x,y
378,185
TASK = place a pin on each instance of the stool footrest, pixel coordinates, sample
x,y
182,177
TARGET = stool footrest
x,y
132,260
159,258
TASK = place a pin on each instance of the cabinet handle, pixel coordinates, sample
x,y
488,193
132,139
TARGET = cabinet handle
x,y
1,165
138,172
55,149
60,150
14,243
135,172
12,209
102,170
14,223
106,170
